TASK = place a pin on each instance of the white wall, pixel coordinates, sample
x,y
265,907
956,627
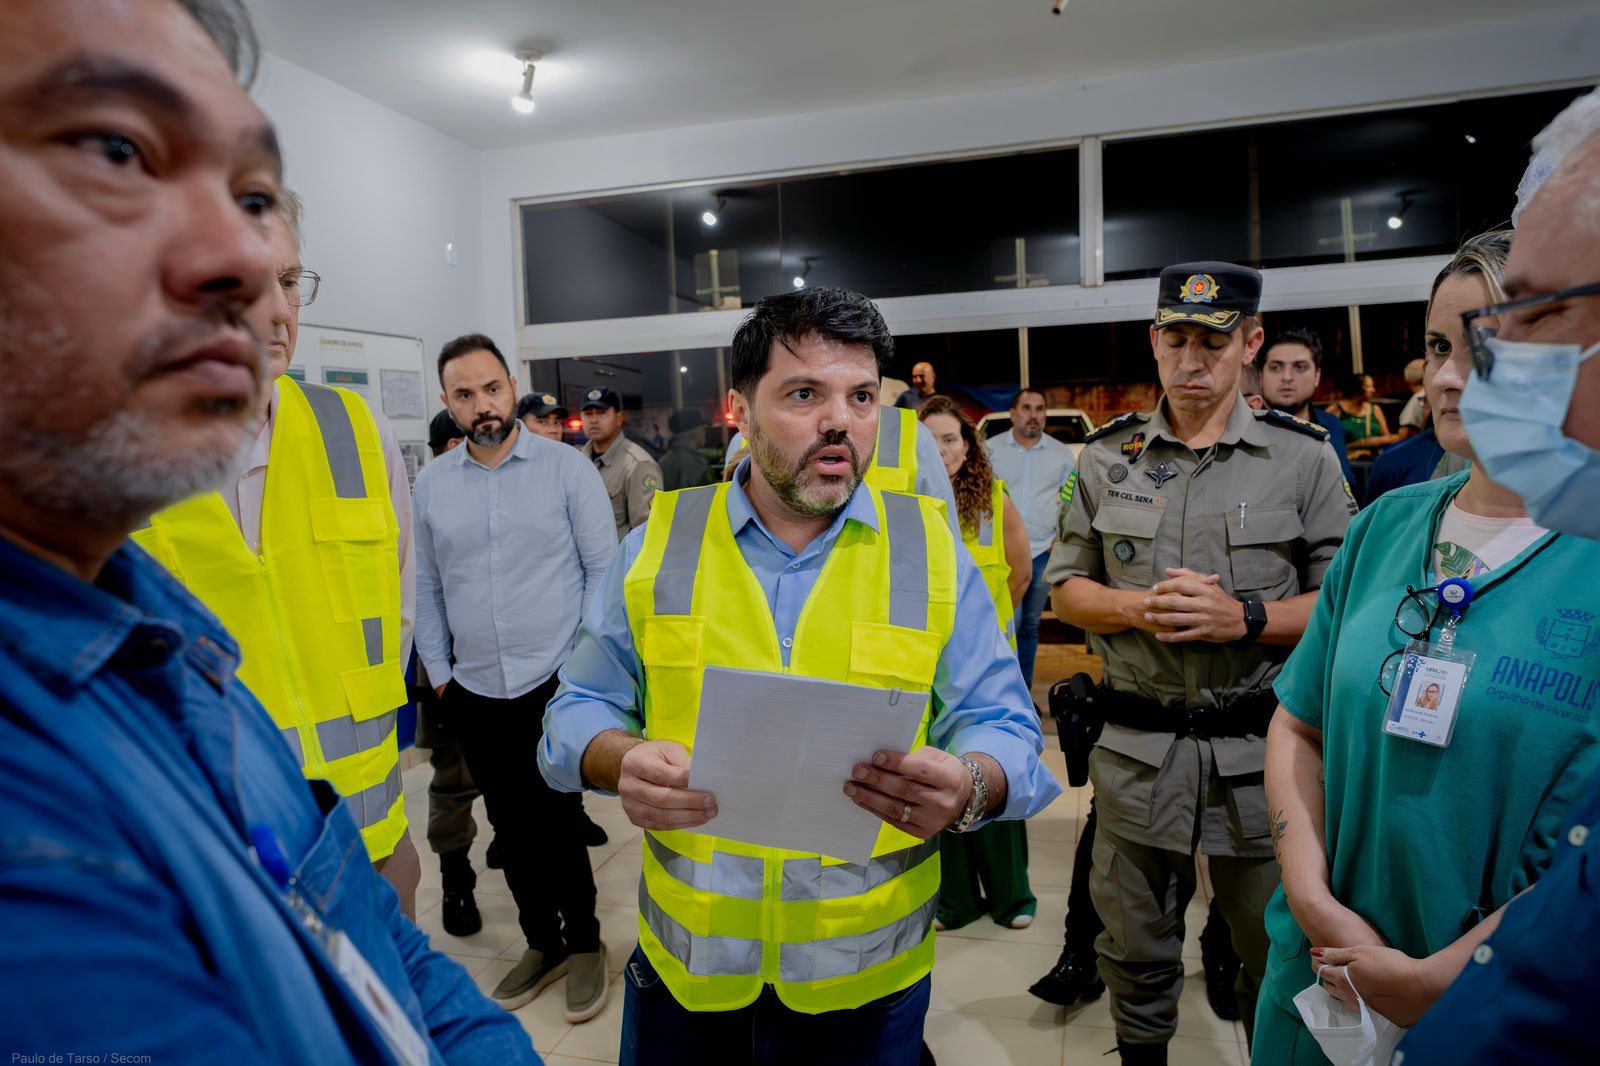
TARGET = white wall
x,y
383,195
1517,54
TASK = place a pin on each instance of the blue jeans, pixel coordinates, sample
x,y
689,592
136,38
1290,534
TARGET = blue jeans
x,y
658,1031
1028,612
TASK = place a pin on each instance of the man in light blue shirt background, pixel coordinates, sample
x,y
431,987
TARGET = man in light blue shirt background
x,y
513,532
1034,466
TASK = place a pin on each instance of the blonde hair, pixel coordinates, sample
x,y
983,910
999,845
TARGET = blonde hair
x,y
1483,256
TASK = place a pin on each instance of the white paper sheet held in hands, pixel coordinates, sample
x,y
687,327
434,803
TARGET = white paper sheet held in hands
x,y
777,749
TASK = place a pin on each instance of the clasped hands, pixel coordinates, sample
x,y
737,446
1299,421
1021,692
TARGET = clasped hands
x,y
1190,606
1392,983
920,793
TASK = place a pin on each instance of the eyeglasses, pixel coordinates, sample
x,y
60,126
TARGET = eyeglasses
x,y
299,286
1415,617
1479,335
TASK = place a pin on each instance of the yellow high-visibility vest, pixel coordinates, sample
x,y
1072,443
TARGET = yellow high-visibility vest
x,y
988,549
317,613
720,919
894,462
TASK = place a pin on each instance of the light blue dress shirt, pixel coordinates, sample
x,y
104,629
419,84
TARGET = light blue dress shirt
x,y
1034,477
507,562
980,702
931,477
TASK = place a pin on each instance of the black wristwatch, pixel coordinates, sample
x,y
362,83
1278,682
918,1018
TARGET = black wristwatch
x,y
1255,620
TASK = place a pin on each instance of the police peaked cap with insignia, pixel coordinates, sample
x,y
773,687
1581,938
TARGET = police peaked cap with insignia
x,y
602,398
1211,294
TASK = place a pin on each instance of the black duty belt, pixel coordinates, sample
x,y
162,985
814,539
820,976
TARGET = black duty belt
x,y
1244,716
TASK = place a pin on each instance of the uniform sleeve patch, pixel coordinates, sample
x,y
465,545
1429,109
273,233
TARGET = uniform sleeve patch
x,y
651,484
1067,487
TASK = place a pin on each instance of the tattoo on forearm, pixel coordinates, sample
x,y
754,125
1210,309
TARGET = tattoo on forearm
x,y
1279,823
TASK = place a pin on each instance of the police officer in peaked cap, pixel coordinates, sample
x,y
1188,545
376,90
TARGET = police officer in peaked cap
x,y
1192,541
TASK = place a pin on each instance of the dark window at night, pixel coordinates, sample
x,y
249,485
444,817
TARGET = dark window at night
x,y
1378,185
644,380
904,231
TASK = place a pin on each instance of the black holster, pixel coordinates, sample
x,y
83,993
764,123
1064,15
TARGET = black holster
x,y
1078,723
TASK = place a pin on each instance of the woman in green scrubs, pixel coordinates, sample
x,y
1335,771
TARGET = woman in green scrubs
x,y
1396,844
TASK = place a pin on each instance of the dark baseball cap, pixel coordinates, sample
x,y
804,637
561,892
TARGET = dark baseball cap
x,y
442,430
1211,294
601,398
685,420
539,404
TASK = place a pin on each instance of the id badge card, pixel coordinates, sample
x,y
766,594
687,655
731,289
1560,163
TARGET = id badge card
x,y
380,1003
1427,692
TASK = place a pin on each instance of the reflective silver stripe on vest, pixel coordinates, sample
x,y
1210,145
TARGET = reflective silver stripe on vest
x,y
371,805
1011,625
372,631
291,737
703,956
341,738
725,874
808,879
143,525
986,533
908,562
888,438
843,955
681,559
338,440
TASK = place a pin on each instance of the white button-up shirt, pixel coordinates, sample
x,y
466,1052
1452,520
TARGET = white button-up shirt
x,y
1034,477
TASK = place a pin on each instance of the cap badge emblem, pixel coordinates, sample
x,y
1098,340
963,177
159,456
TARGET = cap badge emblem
x,y
1199,289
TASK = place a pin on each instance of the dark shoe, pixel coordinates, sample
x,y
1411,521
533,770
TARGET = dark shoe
x,y
459,914
1219,990
588,981
593,835
455,871
1142,1054
491,858
532,975
1073,978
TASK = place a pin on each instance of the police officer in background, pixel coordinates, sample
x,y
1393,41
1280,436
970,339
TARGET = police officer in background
x,y
631,475
1193,539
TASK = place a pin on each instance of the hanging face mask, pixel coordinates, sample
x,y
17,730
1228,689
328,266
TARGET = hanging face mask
x,y
1357,1037
1514,422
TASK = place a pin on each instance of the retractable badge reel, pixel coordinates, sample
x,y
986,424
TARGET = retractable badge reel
x,y
1433,674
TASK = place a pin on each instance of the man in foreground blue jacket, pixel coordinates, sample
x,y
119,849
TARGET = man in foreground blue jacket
x,y
172,887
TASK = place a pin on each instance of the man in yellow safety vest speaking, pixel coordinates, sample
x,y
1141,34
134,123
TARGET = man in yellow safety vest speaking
x,y
307,559
747,953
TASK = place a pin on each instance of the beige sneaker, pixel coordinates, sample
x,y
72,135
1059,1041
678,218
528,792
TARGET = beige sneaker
x,y
588,983
532,975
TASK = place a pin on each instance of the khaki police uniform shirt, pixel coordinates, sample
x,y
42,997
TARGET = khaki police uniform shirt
x,y
631,477
1140,501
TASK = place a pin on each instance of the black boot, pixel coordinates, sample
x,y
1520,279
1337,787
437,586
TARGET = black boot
x,y
1142,1054
1221,965
1073,978
491,858
458,911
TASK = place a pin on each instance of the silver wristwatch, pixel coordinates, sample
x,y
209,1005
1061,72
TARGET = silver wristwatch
x,y
978,802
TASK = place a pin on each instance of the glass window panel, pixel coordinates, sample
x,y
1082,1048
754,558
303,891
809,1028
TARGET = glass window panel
x,y
644,380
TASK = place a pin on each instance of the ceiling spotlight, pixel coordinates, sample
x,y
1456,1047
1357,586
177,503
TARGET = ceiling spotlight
x,y
805,271
523,101
1398,219
1057,6
709,218
1471,139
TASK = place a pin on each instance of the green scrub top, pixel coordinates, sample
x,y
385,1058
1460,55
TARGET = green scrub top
x,y
1424,842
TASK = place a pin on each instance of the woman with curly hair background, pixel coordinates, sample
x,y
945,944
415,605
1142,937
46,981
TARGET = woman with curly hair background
x,y
985,872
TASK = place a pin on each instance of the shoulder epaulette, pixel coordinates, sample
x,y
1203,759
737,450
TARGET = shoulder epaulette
x,y
1288,421
1112,426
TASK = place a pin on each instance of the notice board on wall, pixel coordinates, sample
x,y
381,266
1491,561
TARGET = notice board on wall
x,y
386,369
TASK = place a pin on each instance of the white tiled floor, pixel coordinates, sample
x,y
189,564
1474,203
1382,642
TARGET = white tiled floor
x,y
981,1012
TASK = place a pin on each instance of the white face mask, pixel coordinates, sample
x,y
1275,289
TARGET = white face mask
x,y
1514,421
1358,1037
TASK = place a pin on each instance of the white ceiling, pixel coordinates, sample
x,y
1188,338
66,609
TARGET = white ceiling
x,y
619,67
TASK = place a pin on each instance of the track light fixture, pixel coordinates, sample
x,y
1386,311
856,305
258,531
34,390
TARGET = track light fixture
x,y
805,272
711,217
1398,219
523,101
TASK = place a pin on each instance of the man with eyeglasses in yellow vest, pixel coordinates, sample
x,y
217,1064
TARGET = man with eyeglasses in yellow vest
x,y
794,566
306,558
